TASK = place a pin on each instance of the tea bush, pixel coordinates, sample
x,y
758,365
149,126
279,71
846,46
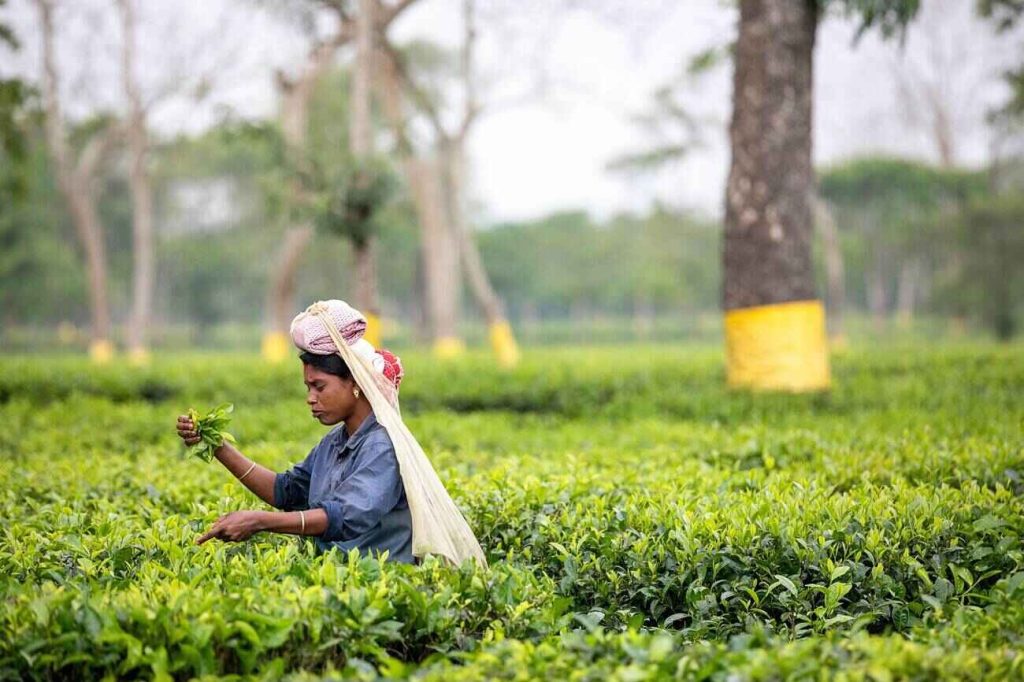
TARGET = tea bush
x,y
642,522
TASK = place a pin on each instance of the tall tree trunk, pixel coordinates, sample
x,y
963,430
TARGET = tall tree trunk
x,y
281,292
499,330
360,129
774,324
78,194
835,274
440,254
395,82
361,147
439,245
75,182
142,196
295,98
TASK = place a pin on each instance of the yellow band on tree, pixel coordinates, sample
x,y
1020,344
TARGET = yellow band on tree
x,y
139,357
777,347
449,347
101,351
372,333
504,343
276,347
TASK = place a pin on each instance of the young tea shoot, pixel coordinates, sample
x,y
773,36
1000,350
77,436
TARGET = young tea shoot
x,y
211,431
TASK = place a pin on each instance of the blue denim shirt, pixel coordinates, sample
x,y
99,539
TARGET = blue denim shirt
x,y
355,479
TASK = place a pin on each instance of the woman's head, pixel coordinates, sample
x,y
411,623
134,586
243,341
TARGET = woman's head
x,y
322,326
331,392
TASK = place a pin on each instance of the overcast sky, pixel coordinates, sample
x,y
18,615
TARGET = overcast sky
x,y
601,61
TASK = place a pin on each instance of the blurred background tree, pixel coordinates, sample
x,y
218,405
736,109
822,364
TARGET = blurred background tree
x,y
237,199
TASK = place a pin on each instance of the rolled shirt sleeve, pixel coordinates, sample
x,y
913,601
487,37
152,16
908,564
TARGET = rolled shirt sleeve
x,y
291,488
361,500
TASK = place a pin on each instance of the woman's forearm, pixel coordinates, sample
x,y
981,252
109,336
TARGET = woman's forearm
x,y
259,479
292,522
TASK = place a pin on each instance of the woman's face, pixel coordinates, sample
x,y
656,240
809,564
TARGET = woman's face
x,y
330,398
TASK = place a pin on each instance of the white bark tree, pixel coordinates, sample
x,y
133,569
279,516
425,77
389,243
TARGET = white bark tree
x,y
76,178
137,132
361,147
448,243
296,94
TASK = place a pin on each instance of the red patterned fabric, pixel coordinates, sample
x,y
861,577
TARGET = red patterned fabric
x,y
393,369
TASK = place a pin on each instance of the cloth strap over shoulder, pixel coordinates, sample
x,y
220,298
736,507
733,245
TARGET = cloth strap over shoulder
x,y
438,527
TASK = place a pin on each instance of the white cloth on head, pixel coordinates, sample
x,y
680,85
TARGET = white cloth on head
x,y
310,333
438,527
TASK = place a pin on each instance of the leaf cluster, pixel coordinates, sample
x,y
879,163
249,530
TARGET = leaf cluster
x,y
211,429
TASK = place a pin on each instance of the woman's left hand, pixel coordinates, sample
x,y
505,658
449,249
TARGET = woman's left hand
x,y
234,527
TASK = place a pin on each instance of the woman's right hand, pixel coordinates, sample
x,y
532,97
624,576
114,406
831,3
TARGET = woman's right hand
x,y
187,430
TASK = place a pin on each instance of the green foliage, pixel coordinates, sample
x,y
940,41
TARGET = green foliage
x,y
346,197
991,283
210,428
1005,13
641,522
13,149
237,148
886,180
351,204
40,277
892,212
1016,80
567,264
13,92
890,17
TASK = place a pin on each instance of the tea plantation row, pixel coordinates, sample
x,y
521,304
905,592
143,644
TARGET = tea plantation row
x,y
643,523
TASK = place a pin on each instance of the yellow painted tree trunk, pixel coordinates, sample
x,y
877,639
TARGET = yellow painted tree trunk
x,y
774,321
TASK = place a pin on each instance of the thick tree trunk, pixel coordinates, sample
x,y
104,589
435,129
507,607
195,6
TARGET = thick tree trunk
x,y
361,147
360,130
75,182
281,294
295,97
440,253
476,275
503,342
78,194
835,274
439,246
365,285
142,195
768,216
768,227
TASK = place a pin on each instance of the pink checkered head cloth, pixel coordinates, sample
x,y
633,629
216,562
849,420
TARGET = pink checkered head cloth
x,y
309,333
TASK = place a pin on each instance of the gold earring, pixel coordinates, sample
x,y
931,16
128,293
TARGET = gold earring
x,y
356,393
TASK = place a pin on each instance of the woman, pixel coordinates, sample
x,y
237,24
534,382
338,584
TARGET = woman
x,y
348,493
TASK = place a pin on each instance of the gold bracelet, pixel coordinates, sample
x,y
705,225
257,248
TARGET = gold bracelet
x,y
247,472
302,516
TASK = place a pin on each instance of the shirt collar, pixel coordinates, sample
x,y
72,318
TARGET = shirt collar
x,y
348,442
